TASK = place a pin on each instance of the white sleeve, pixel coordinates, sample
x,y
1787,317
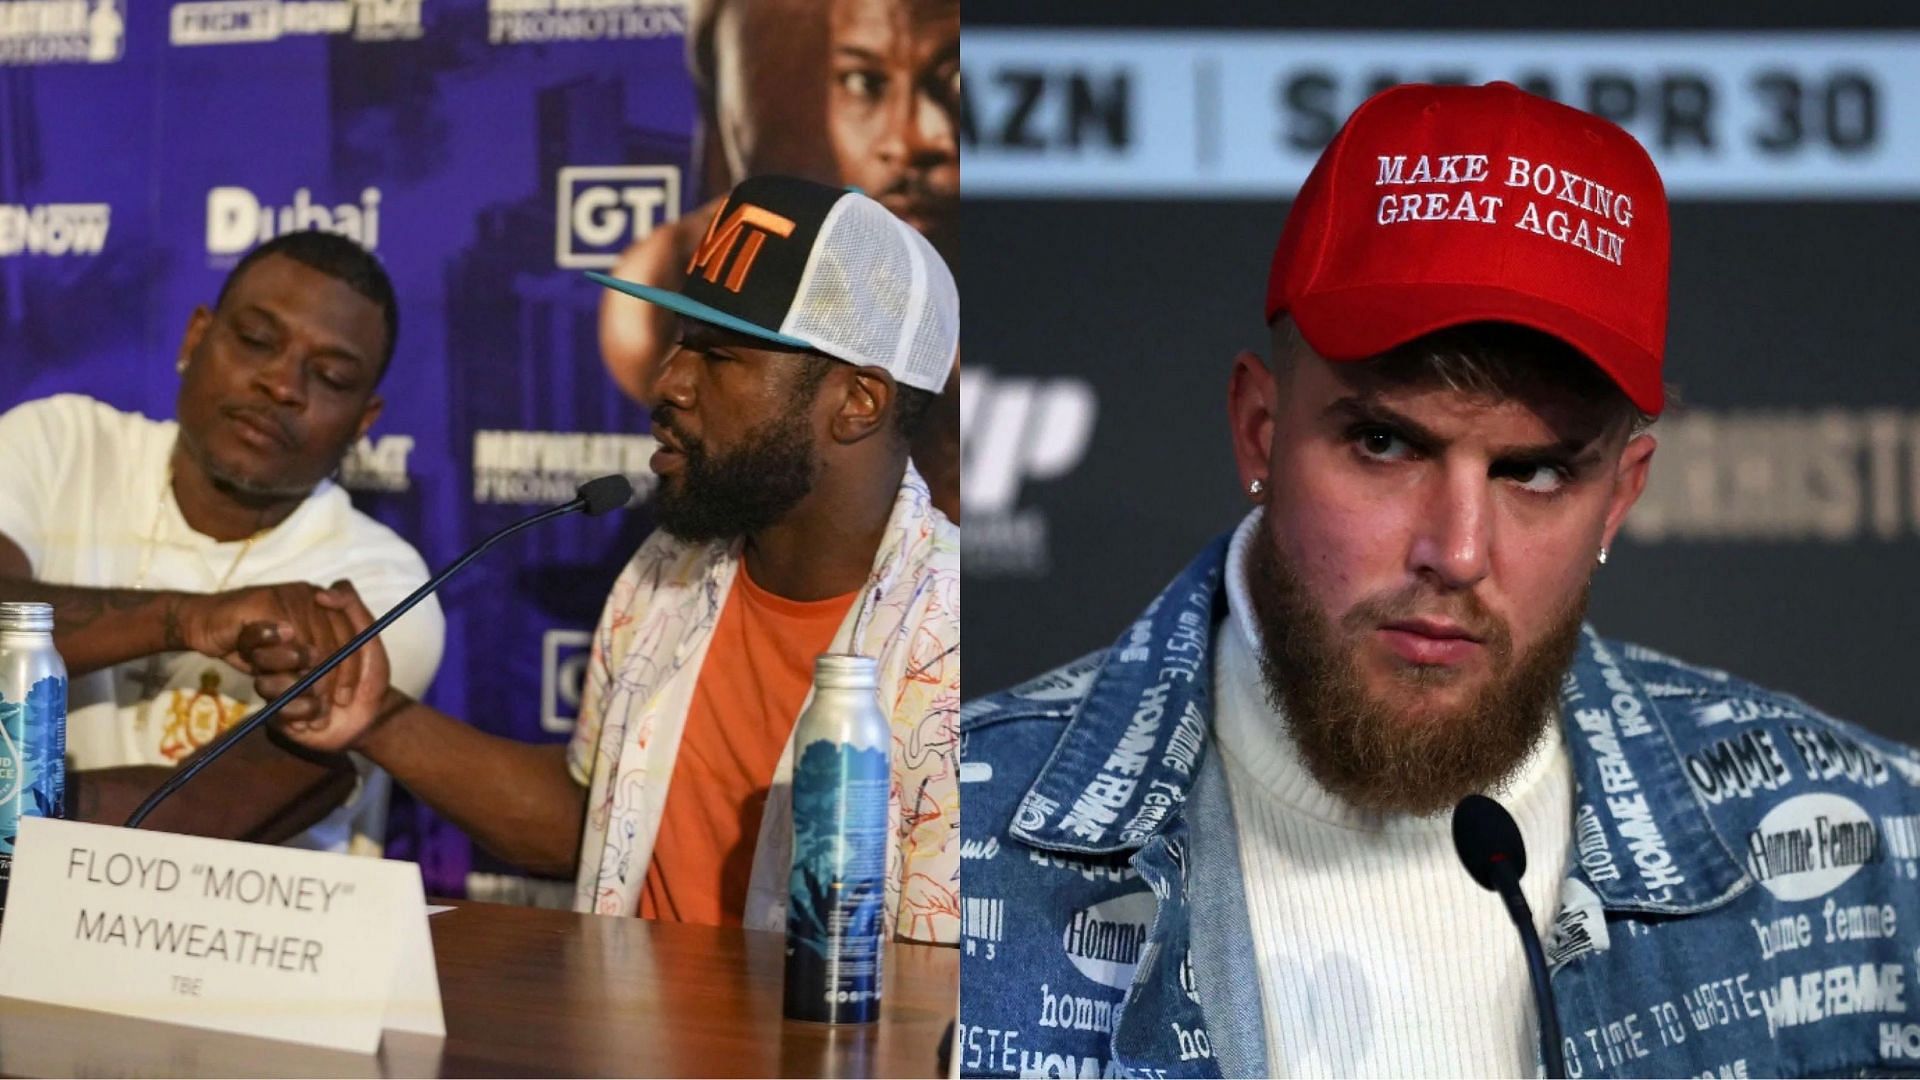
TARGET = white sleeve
x,y
37,443
415,641
413,644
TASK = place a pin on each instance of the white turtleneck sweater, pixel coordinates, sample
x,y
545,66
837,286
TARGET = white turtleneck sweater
x,y
1378,955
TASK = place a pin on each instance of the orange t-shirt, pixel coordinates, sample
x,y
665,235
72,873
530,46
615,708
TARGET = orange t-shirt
x,y
755,678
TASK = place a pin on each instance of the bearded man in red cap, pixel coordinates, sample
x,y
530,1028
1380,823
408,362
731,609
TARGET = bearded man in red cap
x,y
1229,845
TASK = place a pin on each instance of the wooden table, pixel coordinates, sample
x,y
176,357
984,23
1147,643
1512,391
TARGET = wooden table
x,y
530,992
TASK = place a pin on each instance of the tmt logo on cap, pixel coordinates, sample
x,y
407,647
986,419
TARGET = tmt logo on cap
x,y
756,223
1441,205
810,266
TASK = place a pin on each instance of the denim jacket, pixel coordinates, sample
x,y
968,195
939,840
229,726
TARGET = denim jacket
x,y
1742,899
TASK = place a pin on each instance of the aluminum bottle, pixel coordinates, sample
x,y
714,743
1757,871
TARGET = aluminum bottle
x,y
33,725
836,902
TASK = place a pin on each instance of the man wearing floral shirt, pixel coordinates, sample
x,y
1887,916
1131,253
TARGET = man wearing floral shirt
x,y
816,329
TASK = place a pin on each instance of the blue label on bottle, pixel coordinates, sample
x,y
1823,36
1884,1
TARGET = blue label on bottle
x,y
33,753
46,749
13,770
836,904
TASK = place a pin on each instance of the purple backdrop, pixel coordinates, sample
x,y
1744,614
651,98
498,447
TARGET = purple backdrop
x,y
487,153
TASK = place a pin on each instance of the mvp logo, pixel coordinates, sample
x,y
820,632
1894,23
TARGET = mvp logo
x,y
604,208
1017,429
747,220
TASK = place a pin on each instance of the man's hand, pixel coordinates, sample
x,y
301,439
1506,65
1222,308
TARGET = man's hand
x,y
290,614
333,715
517,799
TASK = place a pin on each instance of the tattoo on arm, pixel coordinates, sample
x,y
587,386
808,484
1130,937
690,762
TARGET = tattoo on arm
x,y
86,608
105,626
176,637
76,608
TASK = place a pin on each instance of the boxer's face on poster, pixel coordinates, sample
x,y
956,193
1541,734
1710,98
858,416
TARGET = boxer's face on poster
x,y
280,379
893,100
768,88
735,425
1424,564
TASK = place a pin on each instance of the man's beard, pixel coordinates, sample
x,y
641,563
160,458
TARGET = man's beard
x,y
1406,760
251,491
749,489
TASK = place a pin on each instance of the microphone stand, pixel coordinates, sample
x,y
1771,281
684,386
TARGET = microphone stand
x,y
1508,884
1491,848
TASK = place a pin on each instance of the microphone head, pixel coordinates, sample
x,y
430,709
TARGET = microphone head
x,y
605,493
1485,835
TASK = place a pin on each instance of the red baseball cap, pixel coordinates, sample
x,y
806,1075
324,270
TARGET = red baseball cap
x,y
1441,205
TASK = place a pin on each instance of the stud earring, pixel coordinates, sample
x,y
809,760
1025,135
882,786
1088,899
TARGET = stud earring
x,y
1256,487
1603,556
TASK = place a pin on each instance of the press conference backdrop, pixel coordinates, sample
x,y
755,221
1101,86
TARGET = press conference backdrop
x,y
488,151
1125,182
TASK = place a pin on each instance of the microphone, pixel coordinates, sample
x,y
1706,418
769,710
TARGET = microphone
x,y
596,497
1489,845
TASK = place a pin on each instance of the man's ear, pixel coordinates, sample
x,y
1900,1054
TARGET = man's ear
x,y
1630,479
1251,403
197,326
368,415
865,407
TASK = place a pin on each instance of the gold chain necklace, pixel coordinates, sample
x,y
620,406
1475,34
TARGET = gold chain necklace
x,y
153,679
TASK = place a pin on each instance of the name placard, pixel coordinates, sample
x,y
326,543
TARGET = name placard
x,y
304,946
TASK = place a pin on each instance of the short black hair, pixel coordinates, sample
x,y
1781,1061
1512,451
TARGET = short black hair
x,y
909,402
338,258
